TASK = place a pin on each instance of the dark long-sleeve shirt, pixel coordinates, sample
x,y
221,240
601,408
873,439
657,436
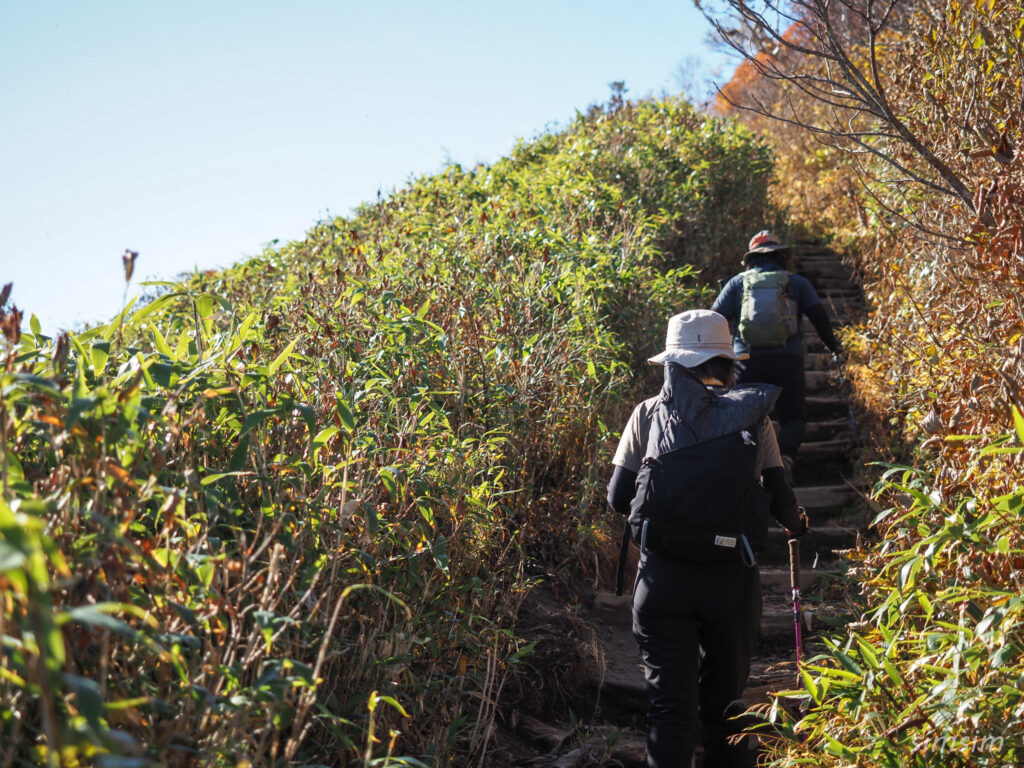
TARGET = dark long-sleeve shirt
x,y
799,289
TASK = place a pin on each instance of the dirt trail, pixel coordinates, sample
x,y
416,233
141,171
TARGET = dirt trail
x,y
827,478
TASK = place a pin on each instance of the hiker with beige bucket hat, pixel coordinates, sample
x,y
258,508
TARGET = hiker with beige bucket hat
x,y
696,472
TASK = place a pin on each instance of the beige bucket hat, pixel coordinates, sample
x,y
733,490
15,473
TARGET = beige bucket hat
x,y
694,337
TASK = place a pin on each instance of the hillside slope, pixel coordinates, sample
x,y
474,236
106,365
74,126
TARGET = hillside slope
x,y
287,513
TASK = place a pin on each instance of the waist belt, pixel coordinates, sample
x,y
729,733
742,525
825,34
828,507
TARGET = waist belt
x,y
686,544
696,545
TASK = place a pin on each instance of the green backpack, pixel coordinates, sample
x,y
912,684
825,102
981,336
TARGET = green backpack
x,y
767,313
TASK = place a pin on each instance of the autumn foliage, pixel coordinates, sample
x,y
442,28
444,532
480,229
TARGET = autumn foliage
x,y
929,671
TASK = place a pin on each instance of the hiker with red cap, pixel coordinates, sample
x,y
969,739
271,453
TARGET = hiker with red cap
x,y
764,304
696,472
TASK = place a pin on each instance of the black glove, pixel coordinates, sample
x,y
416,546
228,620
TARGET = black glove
x,y
804,525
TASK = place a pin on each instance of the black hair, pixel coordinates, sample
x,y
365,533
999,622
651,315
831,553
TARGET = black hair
x,y
721,368
780,257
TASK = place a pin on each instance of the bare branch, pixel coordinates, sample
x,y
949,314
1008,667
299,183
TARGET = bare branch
x,y
829,51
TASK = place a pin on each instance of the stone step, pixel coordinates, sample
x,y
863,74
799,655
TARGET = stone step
x,y
817,269
778,674
825,274
813,343
777,629
816,546
830,282
818,381
842,311
807,327
827,430
821,273
826,255
822,450
821,497
622,747
819,361
775,580
822,429
853,296
621,681
622,687
811,250
825,407
824,469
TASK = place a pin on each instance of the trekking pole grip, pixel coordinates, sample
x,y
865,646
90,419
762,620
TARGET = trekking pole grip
x,y
794,564
794,583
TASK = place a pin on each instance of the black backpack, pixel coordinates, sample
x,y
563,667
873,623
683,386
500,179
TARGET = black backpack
x,y
698,496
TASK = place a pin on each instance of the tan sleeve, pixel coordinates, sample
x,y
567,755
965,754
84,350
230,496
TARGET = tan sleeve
x,y
770,455
633,443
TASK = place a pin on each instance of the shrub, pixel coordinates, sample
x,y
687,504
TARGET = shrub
x,y
287,512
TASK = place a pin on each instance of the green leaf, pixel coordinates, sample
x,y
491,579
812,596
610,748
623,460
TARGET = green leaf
x,y
925,604
55,657
867,652
849,663
891,671
523,652
308,415
239,456
810,685
1018,425
111,328
839,750
210,479
205,571
100,353
281,358
96,616
10,557
908,573
1004,654
88,700
204,306
161,343
345,415
32,381
324,435
376,699
269,622
255,419
78,408
389,476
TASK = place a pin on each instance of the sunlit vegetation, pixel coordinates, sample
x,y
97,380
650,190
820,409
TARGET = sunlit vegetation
x,y
285,514
932,671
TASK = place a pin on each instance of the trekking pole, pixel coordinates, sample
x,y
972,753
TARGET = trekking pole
x,y
794,583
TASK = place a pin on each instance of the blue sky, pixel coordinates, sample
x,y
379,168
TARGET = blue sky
x,y
197,132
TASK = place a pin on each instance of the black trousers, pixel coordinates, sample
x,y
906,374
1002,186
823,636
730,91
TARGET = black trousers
x,y
784,370
696,626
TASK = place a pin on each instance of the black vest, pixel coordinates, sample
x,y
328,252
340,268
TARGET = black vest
x,y
697,492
